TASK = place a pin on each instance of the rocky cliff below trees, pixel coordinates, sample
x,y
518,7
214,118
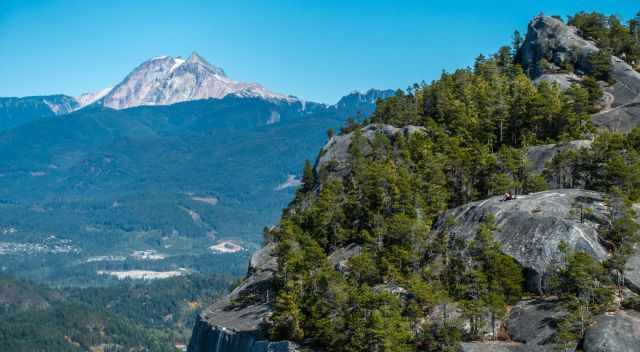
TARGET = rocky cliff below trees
x,y
555,52
236,322
398,240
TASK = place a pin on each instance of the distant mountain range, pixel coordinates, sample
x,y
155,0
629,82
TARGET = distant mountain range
x,y
175,159
166,80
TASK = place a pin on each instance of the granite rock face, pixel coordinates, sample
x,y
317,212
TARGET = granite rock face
x,y
235,323
335,158
340,257
632,272
540,154
531,227
563,80
559,44
534,323
492,347
562,47
167,80
623,114
619,332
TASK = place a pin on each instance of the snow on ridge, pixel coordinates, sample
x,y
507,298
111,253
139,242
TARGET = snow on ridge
x,y
159,82
178,63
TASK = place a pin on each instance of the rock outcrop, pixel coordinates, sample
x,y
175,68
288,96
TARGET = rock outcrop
x,y
624,112
563,49
494,346
340,257
632,272
560,45
619,332
531,227
533,323
539,155
236,323
335,158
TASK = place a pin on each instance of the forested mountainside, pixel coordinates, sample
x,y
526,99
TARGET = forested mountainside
x,y
18,111
493,209
155,316
90,192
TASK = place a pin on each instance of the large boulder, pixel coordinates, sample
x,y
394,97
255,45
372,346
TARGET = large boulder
x,y
559,44
618,332
531,326
335,157
531,227
534,323
236,322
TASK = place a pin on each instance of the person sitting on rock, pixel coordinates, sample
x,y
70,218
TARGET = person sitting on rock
x,y
508,196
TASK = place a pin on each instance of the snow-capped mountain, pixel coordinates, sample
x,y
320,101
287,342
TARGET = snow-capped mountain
x,y
167,80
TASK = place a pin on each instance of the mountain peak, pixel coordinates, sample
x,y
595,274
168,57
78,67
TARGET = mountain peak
x,y
166,80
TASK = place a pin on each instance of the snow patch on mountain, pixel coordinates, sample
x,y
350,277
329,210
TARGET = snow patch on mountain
x,y
91,97
166,80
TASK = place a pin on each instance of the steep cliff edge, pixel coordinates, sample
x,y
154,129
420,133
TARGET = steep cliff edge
x,y
235,323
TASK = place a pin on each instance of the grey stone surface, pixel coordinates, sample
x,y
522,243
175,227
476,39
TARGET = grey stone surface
x,y
340,257
621,119
540,154
563,80
234,324
632,272
534,322
531,227
619,332
561,45
335,157
550,39
491,347
624,113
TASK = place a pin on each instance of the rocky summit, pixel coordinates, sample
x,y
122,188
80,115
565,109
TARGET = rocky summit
x,y
167,80
564,50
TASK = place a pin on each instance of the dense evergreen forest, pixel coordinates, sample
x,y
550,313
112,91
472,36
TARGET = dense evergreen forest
x,y
154,316
474,127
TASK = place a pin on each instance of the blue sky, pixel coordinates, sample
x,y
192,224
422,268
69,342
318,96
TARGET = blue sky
x,y
316,50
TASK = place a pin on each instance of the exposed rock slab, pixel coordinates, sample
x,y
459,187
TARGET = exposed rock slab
x,y
619,333
632,272
550,39
621,119
534,322
540,154
340,257
531,228
335,157
562,46
563,80
235,323
491,347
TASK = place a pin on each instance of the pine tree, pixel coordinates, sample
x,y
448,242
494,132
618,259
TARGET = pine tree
x,y
308,177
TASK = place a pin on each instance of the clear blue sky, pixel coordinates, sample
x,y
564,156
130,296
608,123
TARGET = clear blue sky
x,y
316,50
